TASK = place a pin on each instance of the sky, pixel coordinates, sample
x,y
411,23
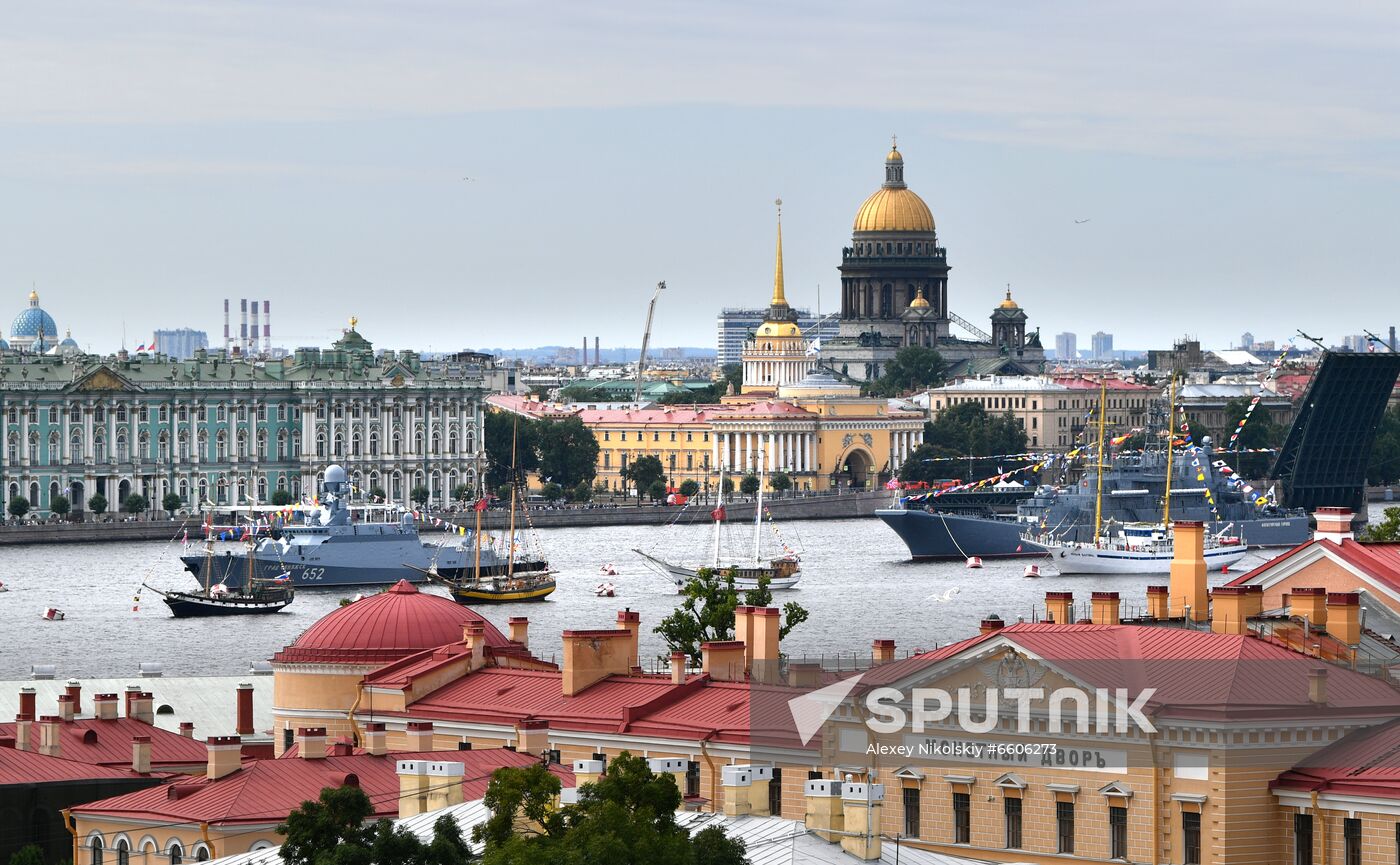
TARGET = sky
x,y
468,174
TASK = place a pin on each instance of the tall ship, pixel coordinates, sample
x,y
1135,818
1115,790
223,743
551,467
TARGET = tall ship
x,y
327,546
1130,489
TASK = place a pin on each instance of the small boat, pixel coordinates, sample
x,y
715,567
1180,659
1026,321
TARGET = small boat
x,y
4,588
974,561
608,570
53,614
605,590
1032,570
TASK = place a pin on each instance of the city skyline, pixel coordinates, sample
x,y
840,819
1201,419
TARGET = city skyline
x,y
152,158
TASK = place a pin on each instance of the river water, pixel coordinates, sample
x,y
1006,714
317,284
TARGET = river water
x,y
858,585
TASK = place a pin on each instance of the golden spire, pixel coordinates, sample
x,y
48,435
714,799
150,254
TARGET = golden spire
x,y
353,321
779,299
33,297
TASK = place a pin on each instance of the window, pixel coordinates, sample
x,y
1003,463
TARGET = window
x,y
1191,838
607,436
692,779
1302,839
177,854
962,818
1064,823
673,435
911,812
1351,840
123,852
1011,810
1118,832
775,793
95,845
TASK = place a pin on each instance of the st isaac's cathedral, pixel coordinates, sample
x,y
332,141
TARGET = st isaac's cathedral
x,y
894,293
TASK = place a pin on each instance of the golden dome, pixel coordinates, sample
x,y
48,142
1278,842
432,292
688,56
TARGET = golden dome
x,y
780,329
894,155
894,209
1009,303
33,296
919,301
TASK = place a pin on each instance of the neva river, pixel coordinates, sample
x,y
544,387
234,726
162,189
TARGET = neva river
x,y
858,586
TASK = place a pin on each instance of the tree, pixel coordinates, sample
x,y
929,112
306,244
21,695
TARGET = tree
x,y
626,817
731,375
689,488
568,451
642,472
657,491
60,505
19,506
780,482
332,831
552,492
31,854
419,495
964,430
1260,432
134,503
706,612
503,492
281,497
461,493
913,368
171,503
749,485
1388,529
97,503
727,485
581,493
500,429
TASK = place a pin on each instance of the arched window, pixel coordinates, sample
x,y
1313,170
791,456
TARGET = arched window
x,y
321,443
175,852
99,447
262,444
75,446
339,449
396,444
452,442
436,446
54,456
95,849
34,447
13,448
281,444
163,446
183,444
355,444
143,446
123,848
374,444
262,488
418,441
221,445
123,449
241,437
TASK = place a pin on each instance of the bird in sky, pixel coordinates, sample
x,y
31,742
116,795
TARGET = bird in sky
x,y
1081,221
469,179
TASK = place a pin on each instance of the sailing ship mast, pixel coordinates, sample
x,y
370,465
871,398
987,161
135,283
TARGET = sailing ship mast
x,y
718,514
510,543
758,508
1098,496
1171,434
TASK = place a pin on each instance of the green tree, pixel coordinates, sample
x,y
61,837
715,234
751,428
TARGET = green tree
x,y
281,497
568,452
134,503
1260,432
31,854
581,493
727,485
97,503
552,492
171,503
333,831
707,608
376,494
500,427
689,488
19,506
60,505
503,492
749,485
780,481
419,495
963,430
657,491
461,493
642,472
1388,529
913,368
626,817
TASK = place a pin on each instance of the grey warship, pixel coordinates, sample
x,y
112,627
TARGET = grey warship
x,y
1133,489
328,548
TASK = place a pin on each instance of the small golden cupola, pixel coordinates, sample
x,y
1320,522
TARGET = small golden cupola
x,y
1009,303
919,301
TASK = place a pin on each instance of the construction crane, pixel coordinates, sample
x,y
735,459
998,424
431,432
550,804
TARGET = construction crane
x,y
646,338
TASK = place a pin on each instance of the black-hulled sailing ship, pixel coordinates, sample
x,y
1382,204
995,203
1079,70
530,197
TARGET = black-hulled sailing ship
x,y
256,595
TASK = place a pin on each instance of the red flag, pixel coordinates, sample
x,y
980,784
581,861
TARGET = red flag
x,y
482,504
718,514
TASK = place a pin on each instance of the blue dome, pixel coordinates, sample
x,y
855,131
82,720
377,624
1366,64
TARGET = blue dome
x,y
28,322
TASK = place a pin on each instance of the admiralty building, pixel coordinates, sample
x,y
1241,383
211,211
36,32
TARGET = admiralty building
x,y
224,430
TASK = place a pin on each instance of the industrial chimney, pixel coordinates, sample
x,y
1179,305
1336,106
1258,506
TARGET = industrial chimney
x,y
253,332
226,336
267,327
243,325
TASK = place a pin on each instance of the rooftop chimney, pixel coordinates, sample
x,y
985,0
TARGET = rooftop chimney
x,y
1157,602
1104,608
245,709
419,736
225,756
226,333
104,707
267,327
50,728
65,707
187,729
766,663
74,689
743,632
1188,571
519,630
141,707
141,755
1233,606
375,739
735,780
311,743
630,621
1317,686
413,787
861,804
24,732
532,736
1344,616
474,635
445,785
991,624
591,656
723,660
1309,603
678,662
1058,606
825,816
1333,524
27,702
881,652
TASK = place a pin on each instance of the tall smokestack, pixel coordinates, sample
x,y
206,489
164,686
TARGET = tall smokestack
x,y
1392,337
583,356
243,326
253,331
597,360
267,327
226,337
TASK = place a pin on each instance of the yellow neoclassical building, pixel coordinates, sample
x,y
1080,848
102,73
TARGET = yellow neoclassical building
x,y
791,415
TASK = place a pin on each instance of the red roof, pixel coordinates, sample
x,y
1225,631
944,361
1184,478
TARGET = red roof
x,y
27,767
268,790
108,743
1194,673
669,415
1364,763
385,627
1379,561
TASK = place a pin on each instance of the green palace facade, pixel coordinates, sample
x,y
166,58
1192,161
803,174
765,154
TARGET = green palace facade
x,y
222,430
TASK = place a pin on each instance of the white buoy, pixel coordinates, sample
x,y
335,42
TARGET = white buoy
x,y
974,561
1032,570
53,614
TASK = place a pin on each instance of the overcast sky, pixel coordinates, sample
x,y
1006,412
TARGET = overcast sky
x,y
1238,163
